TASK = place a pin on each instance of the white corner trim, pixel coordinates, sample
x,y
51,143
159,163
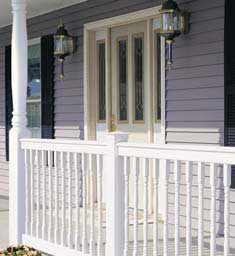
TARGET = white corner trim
x,y
124,19
163,92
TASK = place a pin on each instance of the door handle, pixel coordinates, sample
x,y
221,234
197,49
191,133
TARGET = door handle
x,y
113,124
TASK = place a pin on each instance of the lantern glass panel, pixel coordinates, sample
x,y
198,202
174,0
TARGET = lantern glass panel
x,y
170,21
58,45
176,20
67,45
167,22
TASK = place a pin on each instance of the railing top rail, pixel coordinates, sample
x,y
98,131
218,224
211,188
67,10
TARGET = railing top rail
x,y
207,154
73,146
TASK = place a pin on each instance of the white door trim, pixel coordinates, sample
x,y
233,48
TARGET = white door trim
x,y
124,19
89,33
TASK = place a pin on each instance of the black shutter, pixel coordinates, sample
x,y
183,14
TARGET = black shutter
x,y
47,86
229,73
8,97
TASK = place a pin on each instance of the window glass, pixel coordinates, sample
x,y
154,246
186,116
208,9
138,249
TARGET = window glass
x,y
138,79
34,89
122,89
233,177
101,82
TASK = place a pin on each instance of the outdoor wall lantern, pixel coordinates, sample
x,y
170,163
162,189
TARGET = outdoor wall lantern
x,y
64,45
173,23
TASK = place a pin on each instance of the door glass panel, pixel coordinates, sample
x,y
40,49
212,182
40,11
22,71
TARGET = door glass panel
x,y
101,82
138,79
122,89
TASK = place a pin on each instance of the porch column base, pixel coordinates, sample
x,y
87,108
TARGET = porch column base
x,y
17,186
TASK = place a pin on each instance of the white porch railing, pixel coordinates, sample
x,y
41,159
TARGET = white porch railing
x,y
69,213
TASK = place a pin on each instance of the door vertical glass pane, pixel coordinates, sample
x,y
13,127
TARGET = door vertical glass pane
x,y
122,52
101,82
138,79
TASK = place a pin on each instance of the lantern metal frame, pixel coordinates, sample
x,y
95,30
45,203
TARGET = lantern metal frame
x,y
170,7
60,36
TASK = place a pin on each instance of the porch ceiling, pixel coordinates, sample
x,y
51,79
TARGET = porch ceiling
x,y
35,8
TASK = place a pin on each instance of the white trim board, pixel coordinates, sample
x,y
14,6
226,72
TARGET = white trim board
x,y
90,30
124,19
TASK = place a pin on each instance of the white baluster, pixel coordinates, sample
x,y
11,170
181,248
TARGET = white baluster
x,y
189,177
92,208
63,199
177,207
32,191
227,183
38,194
155,218
166,170
213,209
27,189
201,179
136,203
145,226
56,234
77,231
100,198
84,223
44,195
50,196
126,224
70,215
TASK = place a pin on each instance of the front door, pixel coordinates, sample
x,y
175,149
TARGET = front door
x,y
129,79
127,74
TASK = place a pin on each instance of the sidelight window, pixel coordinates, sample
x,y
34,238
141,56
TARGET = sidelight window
x,y
138,78
101,81
122,80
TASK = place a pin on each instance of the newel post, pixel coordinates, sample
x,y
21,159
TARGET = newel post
x,y
19,122
115,196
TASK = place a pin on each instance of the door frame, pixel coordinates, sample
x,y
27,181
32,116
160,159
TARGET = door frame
x,y
89,72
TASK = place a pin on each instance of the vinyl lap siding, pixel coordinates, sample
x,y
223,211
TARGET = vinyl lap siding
x,y
195,104
195,85
3,164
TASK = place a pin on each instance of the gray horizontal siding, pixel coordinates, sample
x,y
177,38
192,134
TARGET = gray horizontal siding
x,y
195,85
4,174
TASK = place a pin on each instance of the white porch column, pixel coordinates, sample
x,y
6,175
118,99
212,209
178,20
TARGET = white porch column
x,y
19,121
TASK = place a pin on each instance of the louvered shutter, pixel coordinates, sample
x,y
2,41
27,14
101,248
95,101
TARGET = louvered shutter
x,y
229,64
47,90
8,97
47,86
